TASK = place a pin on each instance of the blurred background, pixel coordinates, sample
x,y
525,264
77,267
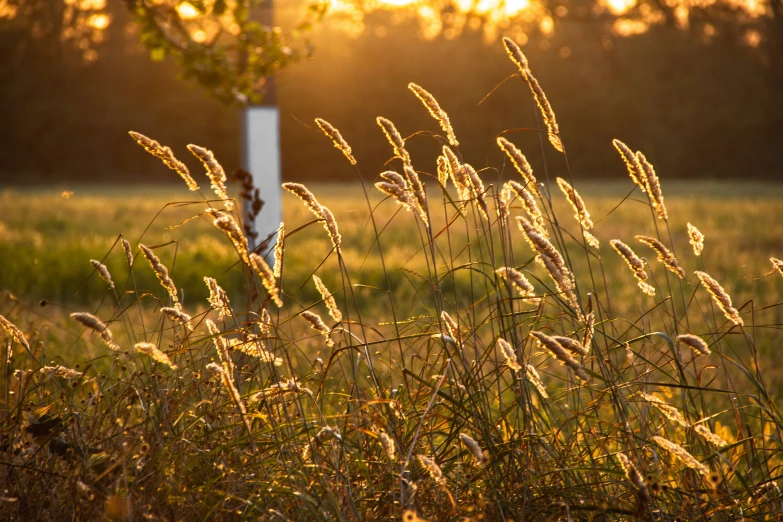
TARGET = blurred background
x,y
695,84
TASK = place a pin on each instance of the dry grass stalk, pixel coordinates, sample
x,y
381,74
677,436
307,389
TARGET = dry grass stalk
x,y
394,137
221,346
582,216
102,271
316,323
721,298
328,298
709,436
176,314
153,351
215,173
267,278
330,224
653,187
551,259
589,330
665,255
476,187
255,347
228,384
480,455
557,349
634,477
161,272
669,411
571,345
14,332
529,204
218,298
519,282
451,326
284,388
166,155
635,263
227,224
510,354
695,342
337,139
279,249
126,246
387,443
444,172
532,375
93,323
696,239
431,104
635,169
777,264
563,279
60,371
418,191
520,163
433,469
398,192
540,244
682,455
519,59
307,197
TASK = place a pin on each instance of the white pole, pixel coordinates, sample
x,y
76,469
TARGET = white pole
x,y
262,159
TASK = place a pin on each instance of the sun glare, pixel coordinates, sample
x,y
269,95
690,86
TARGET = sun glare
x,y
186,11
620,6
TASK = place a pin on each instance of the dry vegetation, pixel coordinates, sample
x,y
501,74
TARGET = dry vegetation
x,y
499,352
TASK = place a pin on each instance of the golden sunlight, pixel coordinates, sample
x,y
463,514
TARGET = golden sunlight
x,y
619,7
186,11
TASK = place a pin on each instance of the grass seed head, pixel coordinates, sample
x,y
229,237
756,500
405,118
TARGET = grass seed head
x,y
93,323
480,455
328,298
161,272
635,263
777,264
721,298
696,239
267,276
695,342
102,271
218,298
510,354
307,197
337,139
153,351
431,104
14,332
394,137
126,246
279,249
166,156
682,455
635,169
532,375
665,255
653,187
316,323
176,314
551,344
215,173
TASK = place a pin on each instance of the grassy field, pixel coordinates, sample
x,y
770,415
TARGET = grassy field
x,y
471,353
46,240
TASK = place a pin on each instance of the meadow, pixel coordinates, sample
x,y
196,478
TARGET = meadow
x,y
429,346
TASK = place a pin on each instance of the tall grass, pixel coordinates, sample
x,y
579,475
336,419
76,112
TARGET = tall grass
x,y
521,381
